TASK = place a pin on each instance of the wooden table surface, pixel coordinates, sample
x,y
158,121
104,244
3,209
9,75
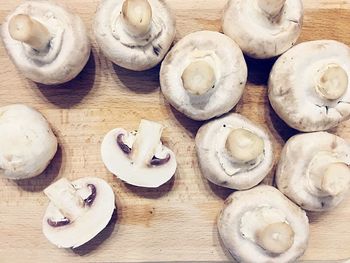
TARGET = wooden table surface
x,y
178,220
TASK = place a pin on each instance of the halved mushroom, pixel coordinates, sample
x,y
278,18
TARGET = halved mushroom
x,y
234,152
27,143
48,44
309,87
134,34
314,170
204,75
263,28
262,225
77,211
139,158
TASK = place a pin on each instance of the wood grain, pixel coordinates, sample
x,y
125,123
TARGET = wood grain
x,y
177,221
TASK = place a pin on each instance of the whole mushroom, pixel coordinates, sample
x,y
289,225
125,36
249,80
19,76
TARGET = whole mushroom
x,y
309,85
27,143
48,44
263,28
77,211
139,158
234,152
262,225
314,170
134,34
204,75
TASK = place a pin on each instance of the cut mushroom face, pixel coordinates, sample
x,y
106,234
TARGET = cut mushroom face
x,y
134,34
27,142
310,92
139,158
263,28
314,170
78,211
204,75
233,152
262,225
48,44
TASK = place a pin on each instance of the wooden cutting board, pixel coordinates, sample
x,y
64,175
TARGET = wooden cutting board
x,y
178,220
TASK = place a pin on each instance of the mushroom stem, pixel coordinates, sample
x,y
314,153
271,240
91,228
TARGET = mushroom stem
x,y
333,82
244,145
198,77
137,16
335,180
276,238
146,142
271,7
64,196
30,31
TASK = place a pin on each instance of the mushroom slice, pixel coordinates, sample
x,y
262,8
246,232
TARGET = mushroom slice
x,y
314,170
48,44
263,28
139,158
77,211
134,34
262,225
204,75
27,143
309,85
234,152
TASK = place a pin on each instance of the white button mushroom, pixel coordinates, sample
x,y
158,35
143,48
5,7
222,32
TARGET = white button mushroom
x,y
262,225
309,86
263,28
234,152
27,143
134,34
314,170
204,75
139,158
77,211
48,44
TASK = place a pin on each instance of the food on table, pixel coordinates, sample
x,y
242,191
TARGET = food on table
x,y
234,152
204,75
139,158
262,225
314,170
134,34
263,28
27,143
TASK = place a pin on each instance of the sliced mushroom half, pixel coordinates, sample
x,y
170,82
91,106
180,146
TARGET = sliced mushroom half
x,y
204,75
27,143
47,43
263,28
309,85
314,170
262,225
77,211
134,34
139,158
234,152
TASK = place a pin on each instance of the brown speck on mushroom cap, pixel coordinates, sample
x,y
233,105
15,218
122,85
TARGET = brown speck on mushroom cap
x,y
263,28
297,93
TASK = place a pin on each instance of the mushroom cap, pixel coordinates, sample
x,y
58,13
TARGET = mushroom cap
x,y
134,53
27,143
233,222
69,48
292,175
229,66
292,81
123,166
89,224
210,146
256,33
